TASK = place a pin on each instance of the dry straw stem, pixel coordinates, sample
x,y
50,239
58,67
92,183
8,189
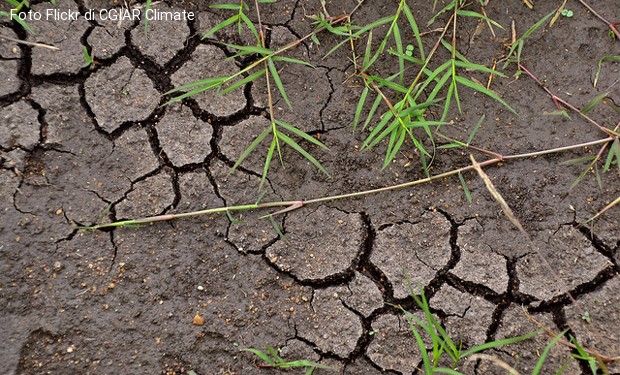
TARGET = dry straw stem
x,y
602,358
295,204
498,197
513,219
612,26
42,45
495,360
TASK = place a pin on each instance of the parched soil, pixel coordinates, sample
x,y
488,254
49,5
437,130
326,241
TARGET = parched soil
x,y
81,145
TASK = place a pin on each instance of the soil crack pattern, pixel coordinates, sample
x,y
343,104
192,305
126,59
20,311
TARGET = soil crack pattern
x,y
92,131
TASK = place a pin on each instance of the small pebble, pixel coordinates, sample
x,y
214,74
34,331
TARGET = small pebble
x,y
198,320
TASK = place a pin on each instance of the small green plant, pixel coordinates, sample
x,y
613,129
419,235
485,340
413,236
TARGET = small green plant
x,y
264,65
567,13
413,104
441,342
516,49
600,65
272,359
88,59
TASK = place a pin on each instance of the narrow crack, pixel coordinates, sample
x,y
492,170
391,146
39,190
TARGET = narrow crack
x,y
332,90
115,247
602,277
597,243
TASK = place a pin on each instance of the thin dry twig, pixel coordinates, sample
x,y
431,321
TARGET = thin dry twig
x,y
42,45
495,360
612,26
603,358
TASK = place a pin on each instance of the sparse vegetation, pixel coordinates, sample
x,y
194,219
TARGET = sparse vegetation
x,y
405,107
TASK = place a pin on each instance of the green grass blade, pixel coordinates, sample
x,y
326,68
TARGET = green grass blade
x,y
221,25
465,188
226,6
478,67
439,86
446,105
400,50
15,4
372,138
303,152
274,354
418,339
272,147
387,83
368,51
456,98
583,355
291,60
442,11
243,81
410,59
252,146
264,357
444,370
22,23
191,93
282,237
471,13
483,90
433,77
578,160
335,48
374,58
545,352
600,66
373,110
147,7
498,343
614,150
360,106
473,132
301,134
304,363
250,25
414,27
394,146
452,145
457,54
594,102
209,82
528,33
582,175
373,25
278,81
248,50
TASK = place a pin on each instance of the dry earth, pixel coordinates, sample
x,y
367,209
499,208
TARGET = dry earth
x,y
77,141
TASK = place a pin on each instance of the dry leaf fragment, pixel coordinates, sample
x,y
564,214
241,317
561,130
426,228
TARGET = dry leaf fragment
x,y
498,197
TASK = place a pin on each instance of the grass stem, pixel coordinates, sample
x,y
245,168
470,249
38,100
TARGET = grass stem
x,y
294,204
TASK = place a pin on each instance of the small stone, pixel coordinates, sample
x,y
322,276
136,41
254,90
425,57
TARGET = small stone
x,y
201,288
198,320
70,349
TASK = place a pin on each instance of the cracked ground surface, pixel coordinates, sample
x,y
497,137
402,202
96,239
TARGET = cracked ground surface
x,y
80,145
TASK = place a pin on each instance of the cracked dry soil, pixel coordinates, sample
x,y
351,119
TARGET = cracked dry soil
x,y
76,142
